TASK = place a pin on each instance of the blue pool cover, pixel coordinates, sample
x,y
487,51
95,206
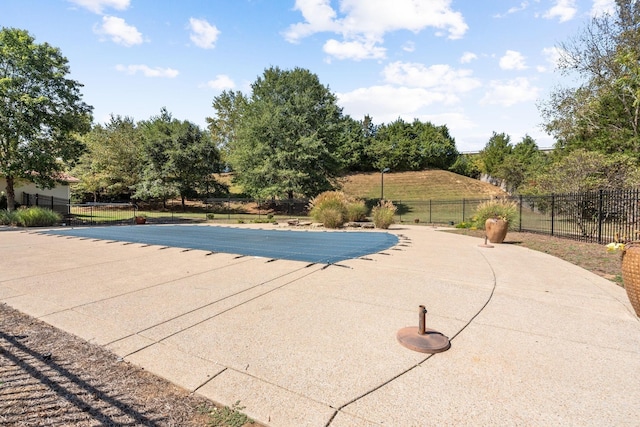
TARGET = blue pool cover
x,y
311,246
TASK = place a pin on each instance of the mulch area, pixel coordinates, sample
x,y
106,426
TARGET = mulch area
x,y
52,378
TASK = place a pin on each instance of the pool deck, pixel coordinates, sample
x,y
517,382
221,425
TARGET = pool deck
x,y
535,341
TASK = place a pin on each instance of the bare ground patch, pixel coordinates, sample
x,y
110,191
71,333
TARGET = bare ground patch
x,y
51,378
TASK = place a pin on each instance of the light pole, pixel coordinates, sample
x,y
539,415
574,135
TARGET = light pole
x,y
382,172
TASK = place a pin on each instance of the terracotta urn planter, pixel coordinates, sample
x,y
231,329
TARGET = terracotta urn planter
x,y
496,229
631,274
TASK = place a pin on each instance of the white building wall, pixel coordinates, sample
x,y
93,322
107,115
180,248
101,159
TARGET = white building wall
x,y
62,191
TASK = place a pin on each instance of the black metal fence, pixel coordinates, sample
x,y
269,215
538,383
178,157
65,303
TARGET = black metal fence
x,y
56,204
598,216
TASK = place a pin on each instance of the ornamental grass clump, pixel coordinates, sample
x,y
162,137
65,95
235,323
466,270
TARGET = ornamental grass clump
x,y
356,210
329,208
334,208
383,213
504,209
36,217
8,217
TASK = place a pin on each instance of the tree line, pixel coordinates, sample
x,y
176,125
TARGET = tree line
x,y
288,137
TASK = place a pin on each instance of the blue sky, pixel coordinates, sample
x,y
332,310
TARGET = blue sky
x,y
477,66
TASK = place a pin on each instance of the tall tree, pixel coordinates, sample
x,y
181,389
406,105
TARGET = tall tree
x,y
180,160
603,112
413,146
287,142
494,153
112,165
355,151
41,112
223,127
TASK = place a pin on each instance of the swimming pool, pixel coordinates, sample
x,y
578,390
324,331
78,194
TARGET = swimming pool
x,y
322,247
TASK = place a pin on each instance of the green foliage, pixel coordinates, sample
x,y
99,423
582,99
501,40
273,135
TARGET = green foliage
x,y
602,113
383,213
286,143
494,153
223,128
467,166
356,210
497,208
179,160
403,146
355,151
35,217
8,217
112,166
465,225
41,112
329,208
582,170
227,417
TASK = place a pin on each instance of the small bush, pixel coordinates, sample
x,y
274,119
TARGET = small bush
x,y
356,211
464,225
211,216
334,208
329,208
497,208
8,218
36,217
383,214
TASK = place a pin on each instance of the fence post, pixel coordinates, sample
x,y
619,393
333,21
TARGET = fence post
x,y
463,203
600,194
520,220
36,199
430,222
553,199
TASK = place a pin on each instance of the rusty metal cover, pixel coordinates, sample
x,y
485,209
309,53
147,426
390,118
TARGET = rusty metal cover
x,y
431,342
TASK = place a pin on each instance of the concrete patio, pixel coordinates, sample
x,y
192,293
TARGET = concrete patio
x,y
535,340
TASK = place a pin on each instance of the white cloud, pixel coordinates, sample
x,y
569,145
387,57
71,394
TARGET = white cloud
x,y
514,9
118,31
510,92
221,82
512,60
203,34
468,57
439,77
97,6
385,103
602,7
409,46
148,71
564,10
367,21
355,50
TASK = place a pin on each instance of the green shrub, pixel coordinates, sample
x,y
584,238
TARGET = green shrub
x,y
211,216
464,225
497,208
36,217
383,214
329,208
356,211
8,218
334,208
